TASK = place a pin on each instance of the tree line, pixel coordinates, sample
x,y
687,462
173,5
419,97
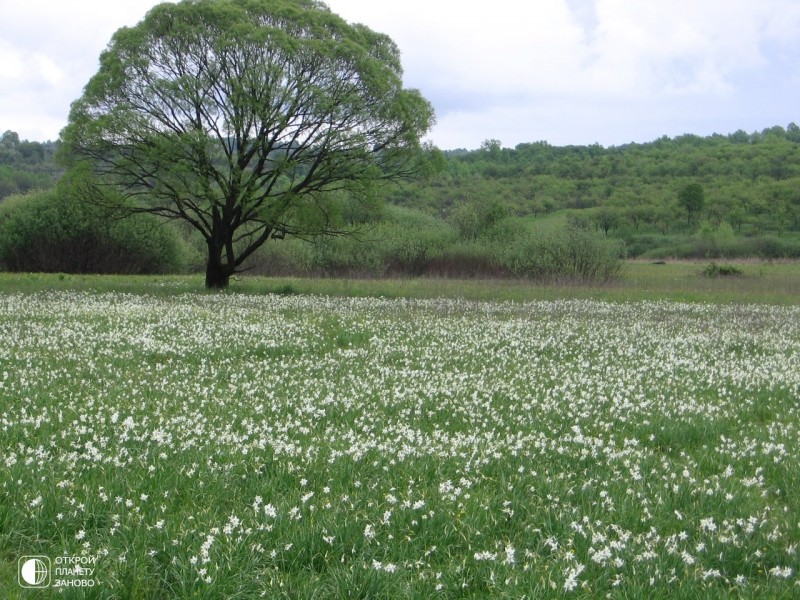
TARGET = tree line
x,y
477,215
750,180
25,165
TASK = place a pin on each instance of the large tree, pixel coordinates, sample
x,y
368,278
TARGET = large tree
x,y
247,119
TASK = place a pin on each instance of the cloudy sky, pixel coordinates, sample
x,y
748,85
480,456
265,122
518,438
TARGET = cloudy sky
x,y
564,71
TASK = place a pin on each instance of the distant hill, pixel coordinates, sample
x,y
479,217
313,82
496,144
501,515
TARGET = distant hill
x,y
25,165
751,181
750,187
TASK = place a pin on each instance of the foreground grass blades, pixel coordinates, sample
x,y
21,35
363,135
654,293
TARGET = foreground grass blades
x,y
289,446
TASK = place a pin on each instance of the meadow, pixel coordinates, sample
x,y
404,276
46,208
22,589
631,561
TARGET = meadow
x,y
763,282
295,445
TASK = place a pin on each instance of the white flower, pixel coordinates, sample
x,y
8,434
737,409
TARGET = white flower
x,y
601,556
708,525
781,572
572,574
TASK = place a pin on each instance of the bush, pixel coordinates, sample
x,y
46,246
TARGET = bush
x,y
48,231
282,258
411,243
713,270
346,256
408,242
645,245
467,260
572,253
765,247
768,246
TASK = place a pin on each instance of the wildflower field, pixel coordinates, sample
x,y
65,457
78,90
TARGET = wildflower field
x,y
247,446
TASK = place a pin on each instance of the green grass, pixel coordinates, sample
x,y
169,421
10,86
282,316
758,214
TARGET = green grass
x,y
549,222
761,282
246,445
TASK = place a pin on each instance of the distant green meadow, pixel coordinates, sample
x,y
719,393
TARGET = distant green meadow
x,y
178,444
769,282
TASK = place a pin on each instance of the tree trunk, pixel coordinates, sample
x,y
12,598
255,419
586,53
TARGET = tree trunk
x,y
218,275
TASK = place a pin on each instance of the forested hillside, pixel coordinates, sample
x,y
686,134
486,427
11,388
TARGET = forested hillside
x,y
750,181
25,165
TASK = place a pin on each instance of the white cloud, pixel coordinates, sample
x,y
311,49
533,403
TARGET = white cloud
x,y
677,46
625,64
48,70
49,50
570,71
11,64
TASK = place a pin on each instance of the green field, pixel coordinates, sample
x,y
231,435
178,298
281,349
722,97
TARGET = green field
x,y
554,442
774,282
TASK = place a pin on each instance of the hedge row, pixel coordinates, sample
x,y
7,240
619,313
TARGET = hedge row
x,y
52,231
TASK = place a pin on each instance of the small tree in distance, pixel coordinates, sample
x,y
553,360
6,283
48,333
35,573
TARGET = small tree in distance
x,y
247,119
693,198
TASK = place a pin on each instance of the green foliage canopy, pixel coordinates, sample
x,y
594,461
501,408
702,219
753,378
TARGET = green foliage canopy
x,y
246,119
25,165
692,197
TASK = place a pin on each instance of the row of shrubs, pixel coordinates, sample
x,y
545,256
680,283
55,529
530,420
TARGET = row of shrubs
x,y
764,247
712,242
411,243
52,231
